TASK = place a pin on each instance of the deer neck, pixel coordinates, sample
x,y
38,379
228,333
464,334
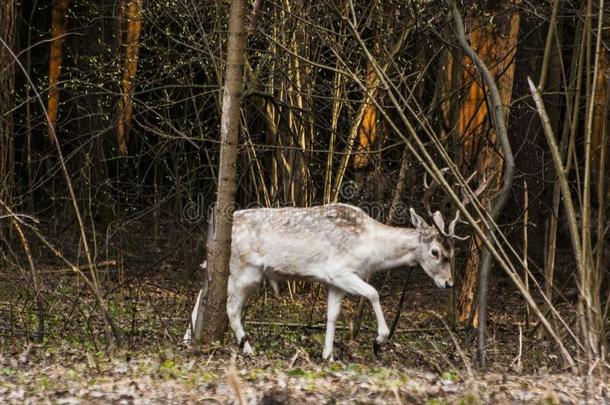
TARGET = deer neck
x,y
395,247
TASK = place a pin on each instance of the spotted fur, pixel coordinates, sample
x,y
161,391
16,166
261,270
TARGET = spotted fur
x,y
338,245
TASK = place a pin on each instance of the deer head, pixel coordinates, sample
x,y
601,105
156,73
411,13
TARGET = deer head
x,y
437,244
433,253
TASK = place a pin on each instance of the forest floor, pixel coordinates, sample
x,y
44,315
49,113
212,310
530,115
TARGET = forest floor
x,y
426,361
168,376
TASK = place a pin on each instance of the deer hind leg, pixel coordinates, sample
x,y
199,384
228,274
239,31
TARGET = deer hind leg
x,y
188,335
239,290
334,308
355,285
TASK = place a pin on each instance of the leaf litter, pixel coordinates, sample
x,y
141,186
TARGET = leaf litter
x,y
181,376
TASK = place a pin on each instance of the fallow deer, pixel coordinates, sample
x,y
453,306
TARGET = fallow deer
x,y
338,245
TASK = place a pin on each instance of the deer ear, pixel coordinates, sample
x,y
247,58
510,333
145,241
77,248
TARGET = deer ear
x,y
417,221
439,221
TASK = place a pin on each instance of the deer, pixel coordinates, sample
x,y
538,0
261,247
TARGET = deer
x,y
338,245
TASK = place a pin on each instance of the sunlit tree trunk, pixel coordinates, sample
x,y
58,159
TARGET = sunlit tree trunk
x,y
58,36
130,65
211,317
367,132
366,159
497,47
472,127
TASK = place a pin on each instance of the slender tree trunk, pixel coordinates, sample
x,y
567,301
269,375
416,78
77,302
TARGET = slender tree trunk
x,y
337,105
8,15
211,315
571,119
479,144
58,36
132,47
589,304
498,112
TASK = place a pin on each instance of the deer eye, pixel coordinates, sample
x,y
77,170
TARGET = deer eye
x,y
435,253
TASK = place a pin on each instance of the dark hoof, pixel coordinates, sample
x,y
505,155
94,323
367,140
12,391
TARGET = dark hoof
x,y
243,341
376,347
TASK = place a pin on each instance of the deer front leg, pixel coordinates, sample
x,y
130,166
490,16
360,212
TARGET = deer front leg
x,y
335,296
238,292
235,303
353,284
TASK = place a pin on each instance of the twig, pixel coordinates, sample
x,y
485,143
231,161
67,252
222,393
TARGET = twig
x,y
401,301
321,326
254,16
525,247
517,359
105,263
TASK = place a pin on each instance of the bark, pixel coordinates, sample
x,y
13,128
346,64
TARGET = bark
x,y
367,132
599,135
212,319
8,15
132,47
58,36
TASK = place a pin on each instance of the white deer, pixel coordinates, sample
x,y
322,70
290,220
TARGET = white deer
x,y
338,245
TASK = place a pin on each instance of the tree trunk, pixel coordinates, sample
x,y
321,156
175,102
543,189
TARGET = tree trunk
x,y
498,103
479,140
212,319
58,35
8,14
367,132
132,46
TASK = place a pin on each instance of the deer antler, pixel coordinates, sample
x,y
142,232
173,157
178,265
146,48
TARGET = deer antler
x,y
429,191
466,199
437,219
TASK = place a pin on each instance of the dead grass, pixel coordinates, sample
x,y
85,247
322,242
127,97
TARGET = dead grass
x,y
180,376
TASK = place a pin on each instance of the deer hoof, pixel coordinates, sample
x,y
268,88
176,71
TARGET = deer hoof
x,y
376,347
243,341
328,357
244,344
248,349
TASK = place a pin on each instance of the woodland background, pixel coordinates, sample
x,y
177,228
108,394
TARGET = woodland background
x,y
109,148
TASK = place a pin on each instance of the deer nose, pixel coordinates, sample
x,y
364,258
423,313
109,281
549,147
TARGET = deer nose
x,y
448,285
